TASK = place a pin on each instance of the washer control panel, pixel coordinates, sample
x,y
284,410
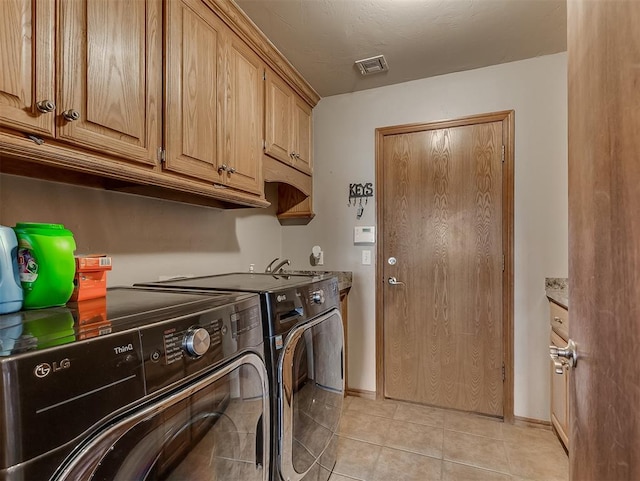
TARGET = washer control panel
x,y
176,349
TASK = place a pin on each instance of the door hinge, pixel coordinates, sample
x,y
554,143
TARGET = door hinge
x,y
503,150
502,262
503,373
162,155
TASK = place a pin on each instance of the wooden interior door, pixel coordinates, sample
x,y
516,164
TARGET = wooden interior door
x,y
27,65
443,237
111,75
604,238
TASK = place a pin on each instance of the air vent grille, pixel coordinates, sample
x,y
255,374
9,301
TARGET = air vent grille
x,y
372,65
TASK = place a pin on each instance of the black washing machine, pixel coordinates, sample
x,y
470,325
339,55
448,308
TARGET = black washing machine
x,y
305,360
142,384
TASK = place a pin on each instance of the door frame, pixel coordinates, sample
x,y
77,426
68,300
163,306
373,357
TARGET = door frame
x,y
507,117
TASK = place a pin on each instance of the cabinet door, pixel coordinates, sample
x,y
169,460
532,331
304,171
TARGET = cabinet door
x,y
193,52
27,65
243,115
302,135
278,118
110,75
559,396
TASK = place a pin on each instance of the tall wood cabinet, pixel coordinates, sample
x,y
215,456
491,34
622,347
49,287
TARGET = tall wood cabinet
x,y
103,89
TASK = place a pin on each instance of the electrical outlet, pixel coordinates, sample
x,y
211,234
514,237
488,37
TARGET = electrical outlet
x,y
366,257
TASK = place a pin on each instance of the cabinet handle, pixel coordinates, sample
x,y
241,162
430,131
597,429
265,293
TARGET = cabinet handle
x,y
222,168
297,156
292,154
557,319
71,115
232,170
46,106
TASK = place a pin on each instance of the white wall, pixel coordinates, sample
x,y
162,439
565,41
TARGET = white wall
x,y
146,237
345,153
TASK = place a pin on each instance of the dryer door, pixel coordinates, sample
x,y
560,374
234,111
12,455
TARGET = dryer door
x,y
211,430
311,384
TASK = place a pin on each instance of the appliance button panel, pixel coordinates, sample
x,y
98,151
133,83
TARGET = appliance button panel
x,y
196,341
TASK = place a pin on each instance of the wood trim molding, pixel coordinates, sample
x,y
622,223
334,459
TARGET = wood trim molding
x,y
361,393
19,155
244,27
275,171
507,118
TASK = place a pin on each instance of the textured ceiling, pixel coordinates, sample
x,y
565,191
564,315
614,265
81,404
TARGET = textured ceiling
x,y
419,38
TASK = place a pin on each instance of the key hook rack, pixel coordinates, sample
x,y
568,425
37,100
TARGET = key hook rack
x,y
358,192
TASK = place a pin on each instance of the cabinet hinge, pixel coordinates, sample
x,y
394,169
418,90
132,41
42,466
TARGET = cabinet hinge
x,y
264,144
264,75
503,150
162,155
503,373
502,262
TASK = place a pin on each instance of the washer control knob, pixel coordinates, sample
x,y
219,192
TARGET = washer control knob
x,y
196,341
318,297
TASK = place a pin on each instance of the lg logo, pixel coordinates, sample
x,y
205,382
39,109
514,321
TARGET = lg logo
x,y
281,298
44,369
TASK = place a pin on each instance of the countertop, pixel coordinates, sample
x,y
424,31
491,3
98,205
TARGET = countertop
x,y
557,290
345,278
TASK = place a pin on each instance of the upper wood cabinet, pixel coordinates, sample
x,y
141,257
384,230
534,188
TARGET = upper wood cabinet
x,y
193,89
287,124
110,76
214,100
27,66
104,92
243,117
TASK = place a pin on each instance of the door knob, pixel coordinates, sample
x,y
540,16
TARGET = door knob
x,y
564,357
395,282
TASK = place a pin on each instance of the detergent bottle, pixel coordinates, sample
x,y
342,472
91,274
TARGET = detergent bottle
x,y
10,287
45,264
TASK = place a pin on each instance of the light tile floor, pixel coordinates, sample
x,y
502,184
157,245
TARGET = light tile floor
x,y
396,441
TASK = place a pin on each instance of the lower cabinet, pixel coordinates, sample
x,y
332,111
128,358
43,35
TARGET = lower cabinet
x,y
560,396
559,321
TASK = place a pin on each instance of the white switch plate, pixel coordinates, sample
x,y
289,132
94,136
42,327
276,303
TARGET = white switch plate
x,y
366,257
321,258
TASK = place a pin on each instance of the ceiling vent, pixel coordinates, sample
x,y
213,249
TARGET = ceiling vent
x,y
372,65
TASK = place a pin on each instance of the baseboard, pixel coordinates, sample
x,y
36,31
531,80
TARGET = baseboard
x,y
532,423
361,393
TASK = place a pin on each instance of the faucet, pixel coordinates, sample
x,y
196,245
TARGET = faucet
x,y
268,269
280,265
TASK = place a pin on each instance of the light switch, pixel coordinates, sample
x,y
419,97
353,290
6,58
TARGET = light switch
x,y
366,257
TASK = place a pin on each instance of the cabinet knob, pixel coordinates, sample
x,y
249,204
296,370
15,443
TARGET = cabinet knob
x,y
297,156
292,154
71,115
232,170
222,168
46,106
